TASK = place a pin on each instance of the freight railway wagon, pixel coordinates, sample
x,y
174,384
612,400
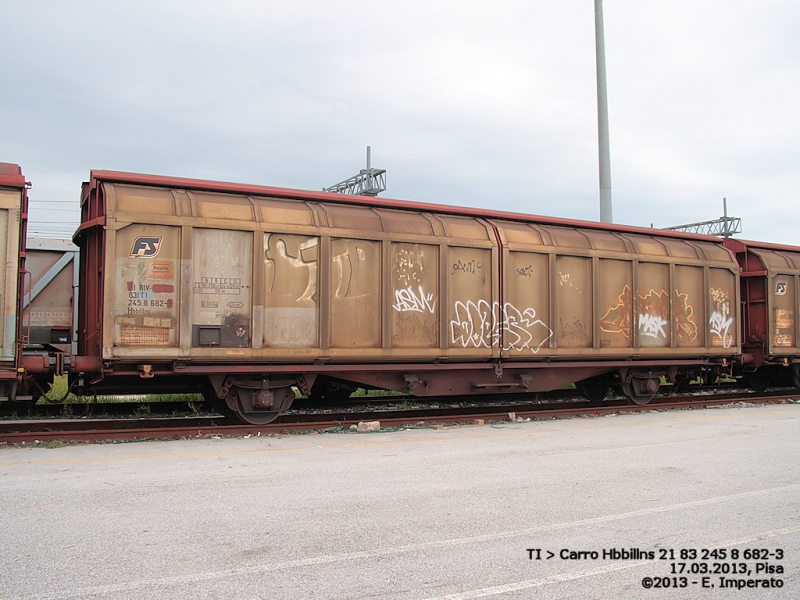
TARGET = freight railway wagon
x,y
13,218
770,292
242,292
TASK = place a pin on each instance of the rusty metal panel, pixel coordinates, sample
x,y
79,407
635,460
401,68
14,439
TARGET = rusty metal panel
x,y
603,240
291,310
284,212
223,206
404,222
355,293
222,266
526,307
783,334
648,245
49,315
352,217
775,261
146,286
614,303
715,252
519,233
141,200
573,327
679,248
565,237
415,288
652,306
473,312
689,307
464,227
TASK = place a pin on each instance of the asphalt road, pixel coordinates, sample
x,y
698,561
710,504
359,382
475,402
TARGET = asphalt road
x,y
692,499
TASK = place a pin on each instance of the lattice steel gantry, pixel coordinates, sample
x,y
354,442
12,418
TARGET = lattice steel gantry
x,y
369,182
725,226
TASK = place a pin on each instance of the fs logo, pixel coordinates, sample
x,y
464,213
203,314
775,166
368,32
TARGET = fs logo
x,y
780,288
146,246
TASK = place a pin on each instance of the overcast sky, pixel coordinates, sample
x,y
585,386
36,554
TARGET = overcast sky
x,y
484,104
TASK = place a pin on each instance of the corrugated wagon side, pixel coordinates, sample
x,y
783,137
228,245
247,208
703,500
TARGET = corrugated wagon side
x,y
242,292
770,292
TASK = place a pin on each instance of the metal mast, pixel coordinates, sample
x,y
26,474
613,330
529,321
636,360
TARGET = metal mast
x,y
602,116
369,182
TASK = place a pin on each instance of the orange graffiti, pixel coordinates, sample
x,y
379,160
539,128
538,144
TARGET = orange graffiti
x,y
618,317
684,318
655,304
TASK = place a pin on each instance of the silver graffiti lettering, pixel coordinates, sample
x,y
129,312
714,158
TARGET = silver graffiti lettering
x,y
720,323
407,300
652,326
721,319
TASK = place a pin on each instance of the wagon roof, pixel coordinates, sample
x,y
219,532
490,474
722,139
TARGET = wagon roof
x,y
738,245
11,175
321,196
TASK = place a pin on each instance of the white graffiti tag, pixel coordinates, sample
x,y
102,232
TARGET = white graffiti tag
x,y
652,326
721,320
474,324
720,323
407,300
409,265
477,326
519,327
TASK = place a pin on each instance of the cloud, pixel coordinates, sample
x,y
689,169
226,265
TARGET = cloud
x,y
462,102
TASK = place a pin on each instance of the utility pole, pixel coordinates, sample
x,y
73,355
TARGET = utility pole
x,y
602,116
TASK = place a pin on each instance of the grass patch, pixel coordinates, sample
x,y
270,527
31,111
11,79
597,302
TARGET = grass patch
x,y
51,444
60,386
362,392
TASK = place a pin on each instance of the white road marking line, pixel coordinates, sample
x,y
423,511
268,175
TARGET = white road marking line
x,y
348,556
562,577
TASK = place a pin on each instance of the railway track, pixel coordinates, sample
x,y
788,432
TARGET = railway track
x,y
144,408
142,428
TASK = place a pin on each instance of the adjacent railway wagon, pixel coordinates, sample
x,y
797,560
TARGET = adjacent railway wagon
x,y
770,292
49,310
13,219
242,292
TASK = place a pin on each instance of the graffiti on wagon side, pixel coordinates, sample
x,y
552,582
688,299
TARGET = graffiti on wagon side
x,y
478,325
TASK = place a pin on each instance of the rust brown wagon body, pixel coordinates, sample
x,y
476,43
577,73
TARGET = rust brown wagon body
x,y
245,291
770,292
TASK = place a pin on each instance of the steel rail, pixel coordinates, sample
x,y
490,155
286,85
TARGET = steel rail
x,y
108,430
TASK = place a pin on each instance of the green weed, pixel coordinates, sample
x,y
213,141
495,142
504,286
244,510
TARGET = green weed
x,y
51,444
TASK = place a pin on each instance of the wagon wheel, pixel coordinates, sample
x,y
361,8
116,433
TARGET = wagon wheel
x,y
641,391
218,404
595,391
639,398
796,375
758,382
282,400
252,417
